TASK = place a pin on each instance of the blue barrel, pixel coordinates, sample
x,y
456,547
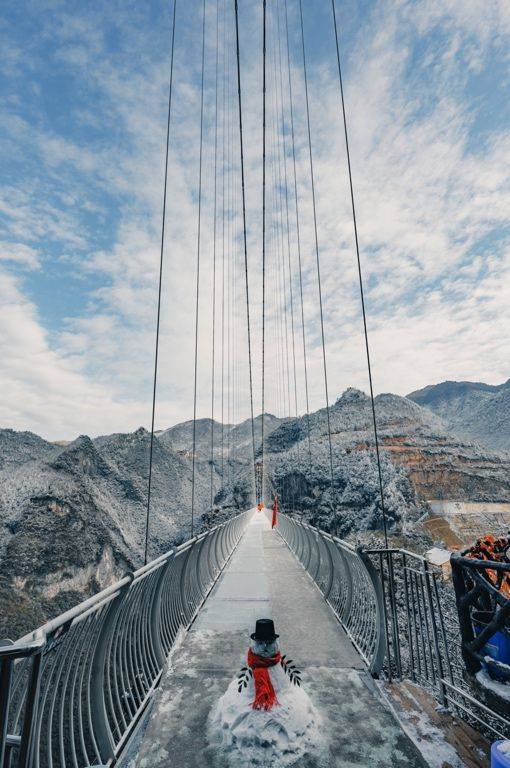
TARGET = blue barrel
x,y
498,759
497,647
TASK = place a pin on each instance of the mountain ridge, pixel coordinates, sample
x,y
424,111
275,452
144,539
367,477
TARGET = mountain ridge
x,y
472,410
72,517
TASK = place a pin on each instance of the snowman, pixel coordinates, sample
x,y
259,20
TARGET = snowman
x,y
264,718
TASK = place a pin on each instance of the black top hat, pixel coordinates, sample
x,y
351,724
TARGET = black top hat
x,y
264,630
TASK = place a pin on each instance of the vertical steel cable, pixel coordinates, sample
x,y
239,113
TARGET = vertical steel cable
x,y
229,274
360,276
235,355
163,218
223,264
232,385
199,233
214,244
316,243
279,182
276,251
283,146
263,240
234,324
298,235
245,239
287,210
279,213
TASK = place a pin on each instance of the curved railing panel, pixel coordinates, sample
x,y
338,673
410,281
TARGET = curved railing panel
x,y
348,582
72,691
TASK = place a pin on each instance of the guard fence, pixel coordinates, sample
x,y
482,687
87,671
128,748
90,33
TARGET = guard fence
x,y
400,615
72,692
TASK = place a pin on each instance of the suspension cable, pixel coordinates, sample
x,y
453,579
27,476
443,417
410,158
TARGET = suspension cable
x,y
264,24
316,242
229,276
214,246
360,276
223,133
160,281
245,243
287,209
279,214
199,233
276,250
298,235
285,241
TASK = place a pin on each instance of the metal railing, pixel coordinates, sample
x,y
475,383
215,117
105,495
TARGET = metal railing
x,y
424,640
400,615
349,583
72,692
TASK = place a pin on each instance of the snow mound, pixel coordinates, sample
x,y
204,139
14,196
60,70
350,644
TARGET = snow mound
x,y
242,736
501,689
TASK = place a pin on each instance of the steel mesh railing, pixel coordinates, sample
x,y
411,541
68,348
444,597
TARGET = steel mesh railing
x,y
348,582
424,638
400,615
72,692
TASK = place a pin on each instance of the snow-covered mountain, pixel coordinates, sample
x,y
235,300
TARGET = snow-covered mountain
x,y
472,410
421,461
72,517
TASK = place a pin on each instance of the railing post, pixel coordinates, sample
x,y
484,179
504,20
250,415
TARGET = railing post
x,y
394,614
377,662
5,698
331,578
205,541
185,613
466,629
442,691
155,616
308,536
218,549
31,712
346,609
102,732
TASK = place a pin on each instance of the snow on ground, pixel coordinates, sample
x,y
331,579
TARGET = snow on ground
x,y
427,737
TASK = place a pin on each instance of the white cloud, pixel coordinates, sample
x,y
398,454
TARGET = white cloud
x,y
20,254
437,300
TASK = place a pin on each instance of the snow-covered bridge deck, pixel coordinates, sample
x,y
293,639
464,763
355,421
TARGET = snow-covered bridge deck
x,y
263,579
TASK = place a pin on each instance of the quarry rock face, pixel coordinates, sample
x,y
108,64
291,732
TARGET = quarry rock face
x,y
72,516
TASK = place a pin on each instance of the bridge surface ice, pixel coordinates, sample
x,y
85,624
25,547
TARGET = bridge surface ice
x,y
264,580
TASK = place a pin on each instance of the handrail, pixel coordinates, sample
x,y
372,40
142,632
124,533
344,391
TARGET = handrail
x,y
426,641
72,691
349,583
402,617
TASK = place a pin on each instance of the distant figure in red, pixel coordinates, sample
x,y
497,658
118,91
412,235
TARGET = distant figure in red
x,y
260,506
275,511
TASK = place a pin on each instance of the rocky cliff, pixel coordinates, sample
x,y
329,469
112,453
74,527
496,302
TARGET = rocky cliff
x,y
73,517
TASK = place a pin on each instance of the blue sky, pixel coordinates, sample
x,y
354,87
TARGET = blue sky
x,y
82,119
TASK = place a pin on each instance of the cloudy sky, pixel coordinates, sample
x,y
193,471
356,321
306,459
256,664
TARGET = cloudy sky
x,y
82,122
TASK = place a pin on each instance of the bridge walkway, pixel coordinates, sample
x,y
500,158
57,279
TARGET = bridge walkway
x,y
263,579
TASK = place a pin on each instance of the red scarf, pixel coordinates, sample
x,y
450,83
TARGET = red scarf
x,y
265,696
